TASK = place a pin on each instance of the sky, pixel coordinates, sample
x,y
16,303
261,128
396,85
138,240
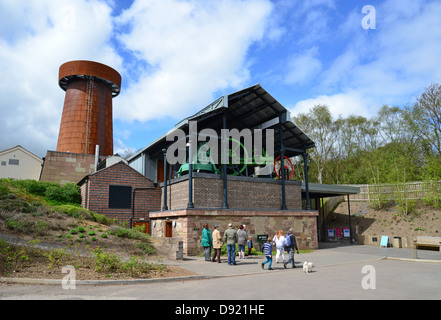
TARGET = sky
x,y
177,56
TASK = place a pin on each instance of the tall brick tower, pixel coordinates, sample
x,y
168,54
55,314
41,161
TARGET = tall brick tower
x,y
87,118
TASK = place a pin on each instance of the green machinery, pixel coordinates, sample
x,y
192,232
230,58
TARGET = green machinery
x,y
238,163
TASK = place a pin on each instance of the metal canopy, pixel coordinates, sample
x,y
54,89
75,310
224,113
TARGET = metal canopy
x,y
251,108
317,190
255,108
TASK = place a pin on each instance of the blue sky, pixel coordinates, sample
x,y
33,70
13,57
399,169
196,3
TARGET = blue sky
x,y
177,56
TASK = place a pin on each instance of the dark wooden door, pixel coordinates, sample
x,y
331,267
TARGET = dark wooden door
x,y
168,229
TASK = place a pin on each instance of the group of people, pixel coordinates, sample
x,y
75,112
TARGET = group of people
x,y
231,237
281,246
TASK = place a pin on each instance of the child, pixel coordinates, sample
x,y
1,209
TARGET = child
x,y
268,248
249,245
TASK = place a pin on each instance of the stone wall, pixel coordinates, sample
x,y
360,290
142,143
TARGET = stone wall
x,y
66,167
188,225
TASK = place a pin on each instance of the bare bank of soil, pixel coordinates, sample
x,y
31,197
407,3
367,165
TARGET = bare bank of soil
x,y
368,222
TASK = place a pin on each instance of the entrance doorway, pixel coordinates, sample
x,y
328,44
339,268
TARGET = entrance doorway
x,y
168,229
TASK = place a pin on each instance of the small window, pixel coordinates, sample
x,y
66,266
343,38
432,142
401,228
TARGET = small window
x,y
120,197
14,162
3,163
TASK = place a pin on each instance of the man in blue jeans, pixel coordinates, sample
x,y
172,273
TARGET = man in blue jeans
x,y
290,249
230,238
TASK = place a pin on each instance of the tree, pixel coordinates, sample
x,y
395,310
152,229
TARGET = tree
x,y
424,117
320,126
391,126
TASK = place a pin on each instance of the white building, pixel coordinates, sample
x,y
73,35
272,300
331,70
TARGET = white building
x,y
20,164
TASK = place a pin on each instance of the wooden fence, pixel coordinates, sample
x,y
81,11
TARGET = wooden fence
x,y
398,191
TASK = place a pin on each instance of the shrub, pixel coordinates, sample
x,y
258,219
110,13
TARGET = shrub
x,y
42,227
81,229
128,233
73,231
102,219
34,187
106,262
56,257
74,211
69,193
12,257
146,248
23,226
4,189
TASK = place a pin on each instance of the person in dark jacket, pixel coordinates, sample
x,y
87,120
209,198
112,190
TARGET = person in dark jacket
x,y
207,242
241,241
291,248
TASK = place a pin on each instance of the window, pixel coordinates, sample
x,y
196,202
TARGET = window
x,y
120,197
14,162
3,163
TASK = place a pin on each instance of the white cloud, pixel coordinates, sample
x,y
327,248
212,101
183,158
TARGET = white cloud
x,y
303,67
39,37
388,65
191,51
339,104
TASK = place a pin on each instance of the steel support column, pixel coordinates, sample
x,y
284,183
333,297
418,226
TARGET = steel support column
x,y
225,160
350,226
282,163
305,165
164,207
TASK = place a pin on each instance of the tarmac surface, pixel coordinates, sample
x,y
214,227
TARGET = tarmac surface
x,y
328,255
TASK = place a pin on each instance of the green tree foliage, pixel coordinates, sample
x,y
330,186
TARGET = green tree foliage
x,y
322,129
399,144
69,193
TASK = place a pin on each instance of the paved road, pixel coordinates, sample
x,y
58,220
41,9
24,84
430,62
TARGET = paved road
x,y
339,274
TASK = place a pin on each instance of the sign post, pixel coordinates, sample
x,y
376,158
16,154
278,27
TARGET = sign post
x,y
262,238
338,232
384,241
331,233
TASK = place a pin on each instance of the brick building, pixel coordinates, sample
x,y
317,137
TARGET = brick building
x,y
232,193
121,192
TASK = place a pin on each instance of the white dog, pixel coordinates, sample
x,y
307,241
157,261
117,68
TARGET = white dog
x,y
307,267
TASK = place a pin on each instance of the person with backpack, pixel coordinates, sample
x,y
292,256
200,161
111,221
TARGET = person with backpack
x,y
290,244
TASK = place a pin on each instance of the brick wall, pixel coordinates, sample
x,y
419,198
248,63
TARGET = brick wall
x,y
95,190
243,193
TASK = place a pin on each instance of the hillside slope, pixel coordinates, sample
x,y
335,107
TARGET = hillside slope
x,y
37,239
390,221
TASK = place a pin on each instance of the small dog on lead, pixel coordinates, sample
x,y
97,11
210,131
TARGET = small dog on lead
x,y
307,267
